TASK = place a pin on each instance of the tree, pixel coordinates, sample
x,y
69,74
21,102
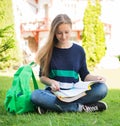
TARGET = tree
x,y
93,35
8,47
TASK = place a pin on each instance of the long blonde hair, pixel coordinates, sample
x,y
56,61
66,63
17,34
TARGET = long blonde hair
x,y
43,56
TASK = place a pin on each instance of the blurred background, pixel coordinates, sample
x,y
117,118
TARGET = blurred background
x,y
33,17
31,21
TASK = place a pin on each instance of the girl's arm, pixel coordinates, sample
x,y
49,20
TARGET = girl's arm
x,y
90,77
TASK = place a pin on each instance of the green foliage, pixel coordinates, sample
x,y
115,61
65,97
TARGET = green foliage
x,y
6,13
9,55
93,35
118,57
6,44
7,41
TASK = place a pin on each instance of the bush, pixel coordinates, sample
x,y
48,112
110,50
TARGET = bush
x,y
93,35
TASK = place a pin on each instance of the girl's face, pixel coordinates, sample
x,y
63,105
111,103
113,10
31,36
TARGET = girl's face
x,y
63,33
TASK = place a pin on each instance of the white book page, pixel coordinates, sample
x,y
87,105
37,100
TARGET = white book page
x,y
75,89
83,84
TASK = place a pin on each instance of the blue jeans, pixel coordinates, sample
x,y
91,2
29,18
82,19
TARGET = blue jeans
x,y
47,100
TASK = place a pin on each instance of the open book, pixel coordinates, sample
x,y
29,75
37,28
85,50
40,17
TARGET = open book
x,y
72,91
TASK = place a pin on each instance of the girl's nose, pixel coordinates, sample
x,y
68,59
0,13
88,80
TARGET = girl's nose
x,y
64,35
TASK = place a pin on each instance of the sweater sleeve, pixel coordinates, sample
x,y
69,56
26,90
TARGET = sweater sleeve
x,y
83,72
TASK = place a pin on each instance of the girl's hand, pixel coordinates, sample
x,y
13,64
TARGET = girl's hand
x,y
50,82
100,78
55,85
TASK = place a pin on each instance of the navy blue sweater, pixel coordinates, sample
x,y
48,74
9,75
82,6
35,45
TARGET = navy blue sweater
x,y
67,65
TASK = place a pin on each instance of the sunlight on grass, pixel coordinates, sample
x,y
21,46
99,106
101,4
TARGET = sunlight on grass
x,y
110,117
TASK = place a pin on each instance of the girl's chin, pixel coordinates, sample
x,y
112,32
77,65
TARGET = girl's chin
x,y
63,41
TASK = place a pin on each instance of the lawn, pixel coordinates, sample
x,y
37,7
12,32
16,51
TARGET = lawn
x,y
110,117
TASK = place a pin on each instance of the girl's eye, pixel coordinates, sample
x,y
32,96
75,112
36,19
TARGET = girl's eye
x,y
62,33
59,32
66,32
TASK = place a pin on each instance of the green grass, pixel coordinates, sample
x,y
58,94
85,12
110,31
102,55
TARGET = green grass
x,y
110,117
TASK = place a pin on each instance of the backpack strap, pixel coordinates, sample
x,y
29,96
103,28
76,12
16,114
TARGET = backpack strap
x,y
32,63
33,76
34,81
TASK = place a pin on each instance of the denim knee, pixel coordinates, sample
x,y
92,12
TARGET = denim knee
x,y
103,89
100,89
34,96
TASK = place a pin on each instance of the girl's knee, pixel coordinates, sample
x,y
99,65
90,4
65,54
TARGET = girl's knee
x,y
100,89
103,88
34,96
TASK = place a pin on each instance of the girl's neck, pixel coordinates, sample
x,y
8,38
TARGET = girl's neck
x,y
64,46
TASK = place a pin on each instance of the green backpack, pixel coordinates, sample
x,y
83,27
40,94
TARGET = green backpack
x,y
18,97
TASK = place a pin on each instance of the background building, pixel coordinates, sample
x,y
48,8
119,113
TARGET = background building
x,y
33,19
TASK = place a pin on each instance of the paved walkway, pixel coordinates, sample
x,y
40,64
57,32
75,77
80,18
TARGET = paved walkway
x,y
112,76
